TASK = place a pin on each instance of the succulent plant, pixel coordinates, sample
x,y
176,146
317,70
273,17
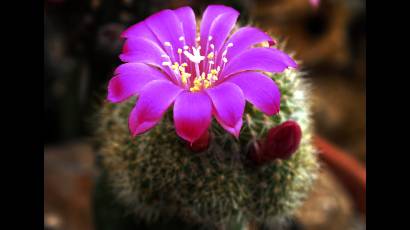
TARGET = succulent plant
x,y
216,178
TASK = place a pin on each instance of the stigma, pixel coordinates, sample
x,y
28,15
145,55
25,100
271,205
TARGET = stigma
x,y
196,56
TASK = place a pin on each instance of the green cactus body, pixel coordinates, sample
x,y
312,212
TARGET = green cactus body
x,y
155,174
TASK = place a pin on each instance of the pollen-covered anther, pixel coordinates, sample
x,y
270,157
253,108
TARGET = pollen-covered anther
x,y
167,44
184,77
197,85
206,83
181,38
211,55
175,66
179,51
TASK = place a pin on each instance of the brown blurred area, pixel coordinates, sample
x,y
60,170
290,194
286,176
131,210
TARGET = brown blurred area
x,y
330,41
69,174
81,46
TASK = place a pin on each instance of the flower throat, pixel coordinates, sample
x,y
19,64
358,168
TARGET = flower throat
x,y
192,70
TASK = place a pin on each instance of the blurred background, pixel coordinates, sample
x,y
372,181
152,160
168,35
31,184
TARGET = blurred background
x,y
81,47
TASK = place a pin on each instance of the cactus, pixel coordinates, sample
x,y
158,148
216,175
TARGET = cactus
x,y
155,174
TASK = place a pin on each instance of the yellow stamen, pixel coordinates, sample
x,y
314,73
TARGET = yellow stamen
x,y
184,79
211,55
206,83
175,66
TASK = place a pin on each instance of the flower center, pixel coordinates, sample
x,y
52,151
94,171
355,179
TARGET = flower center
x,y
192,70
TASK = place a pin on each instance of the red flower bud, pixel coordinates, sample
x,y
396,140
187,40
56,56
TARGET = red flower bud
x,y
281,142
201,144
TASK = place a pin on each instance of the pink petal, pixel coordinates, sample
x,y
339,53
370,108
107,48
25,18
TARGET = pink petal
x,y
167,28
244,38
187,17
229,104
137,127
154,100
192,115
129,80
220,29
234,130
138,49
212,13
139,30
263,59
260,90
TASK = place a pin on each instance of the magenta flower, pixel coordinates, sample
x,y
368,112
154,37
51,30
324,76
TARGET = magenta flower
x,y
209,74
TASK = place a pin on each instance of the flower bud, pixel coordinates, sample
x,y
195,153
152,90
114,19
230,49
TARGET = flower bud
x,y
281,142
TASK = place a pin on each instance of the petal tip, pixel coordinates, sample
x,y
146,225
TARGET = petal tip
x,y
133,133
111,96
141,128
201,143
275,110
236,130
111,99
184,7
